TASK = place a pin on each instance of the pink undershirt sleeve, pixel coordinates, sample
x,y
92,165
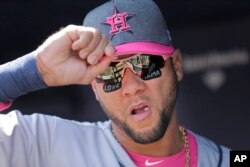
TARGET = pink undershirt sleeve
x,y
4,106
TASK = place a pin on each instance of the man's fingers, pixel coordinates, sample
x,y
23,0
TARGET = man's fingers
x,y
97,37
94,70
83,54
91,45
98,53
109,50
89,39
96,49
83,40
75,54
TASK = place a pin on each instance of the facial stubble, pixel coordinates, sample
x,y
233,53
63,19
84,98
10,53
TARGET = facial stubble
x,y
158,131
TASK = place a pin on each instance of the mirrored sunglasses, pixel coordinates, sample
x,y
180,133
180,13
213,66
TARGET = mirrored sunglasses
x,y
144,65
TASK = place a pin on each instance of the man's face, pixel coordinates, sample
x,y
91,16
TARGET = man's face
x,y
141,108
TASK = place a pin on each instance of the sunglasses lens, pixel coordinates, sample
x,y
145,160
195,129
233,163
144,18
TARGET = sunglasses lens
x,y
153,69
145,66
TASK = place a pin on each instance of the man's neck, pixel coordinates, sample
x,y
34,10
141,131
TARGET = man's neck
x,y
169,144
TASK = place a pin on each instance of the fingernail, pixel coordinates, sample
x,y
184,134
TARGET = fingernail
x,y
110,48
93,59
83,55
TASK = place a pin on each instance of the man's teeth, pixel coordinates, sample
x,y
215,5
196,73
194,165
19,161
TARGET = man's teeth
x,y
140,110
146,109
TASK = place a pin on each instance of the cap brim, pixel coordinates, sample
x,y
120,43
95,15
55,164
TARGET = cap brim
x,y
145,48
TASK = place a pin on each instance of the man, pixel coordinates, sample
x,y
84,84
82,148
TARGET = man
x,y
135,82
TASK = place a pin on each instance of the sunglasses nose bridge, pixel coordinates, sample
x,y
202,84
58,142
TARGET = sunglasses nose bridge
x,y
127,65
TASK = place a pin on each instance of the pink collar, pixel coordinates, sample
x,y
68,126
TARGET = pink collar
x,y
173,160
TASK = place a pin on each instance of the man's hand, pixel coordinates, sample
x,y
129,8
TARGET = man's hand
x,y
74,55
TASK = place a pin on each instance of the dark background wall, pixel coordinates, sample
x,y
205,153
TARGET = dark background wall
x,y
214,37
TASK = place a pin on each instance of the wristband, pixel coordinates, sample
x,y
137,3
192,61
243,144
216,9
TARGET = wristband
x,y
19,77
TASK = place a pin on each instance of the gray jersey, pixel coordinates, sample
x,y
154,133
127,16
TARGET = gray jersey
x,y
47,141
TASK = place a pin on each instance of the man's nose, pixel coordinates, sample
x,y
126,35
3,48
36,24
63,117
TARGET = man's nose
x,y
131,83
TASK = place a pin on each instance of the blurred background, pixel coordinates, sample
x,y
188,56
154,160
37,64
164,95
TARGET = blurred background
x,y
213,35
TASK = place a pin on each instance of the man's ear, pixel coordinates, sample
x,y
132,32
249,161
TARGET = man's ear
x,y
93,85
177,63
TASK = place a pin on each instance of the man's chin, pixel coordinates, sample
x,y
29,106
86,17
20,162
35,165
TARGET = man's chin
x,y
145,135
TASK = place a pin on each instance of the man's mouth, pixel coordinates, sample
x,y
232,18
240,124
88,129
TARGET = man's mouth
x,y
140,111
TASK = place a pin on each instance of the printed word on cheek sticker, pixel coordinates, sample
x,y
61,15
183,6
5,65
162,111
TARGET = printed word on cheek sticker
x,y
143,65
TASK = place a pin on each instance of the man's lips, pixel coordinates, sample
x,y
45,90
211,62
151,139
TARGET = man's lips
x,y
139,111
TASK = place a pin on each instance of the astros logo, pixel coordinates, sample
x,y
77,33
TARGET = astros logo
x,y
118,22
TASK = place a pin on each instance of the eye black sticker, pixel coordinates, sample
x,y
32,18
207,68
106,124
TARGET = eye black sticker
x,y
152,75
112,87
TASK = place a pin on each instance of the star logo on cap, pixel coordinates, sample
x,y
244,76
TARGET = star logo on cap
x,y
118,22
